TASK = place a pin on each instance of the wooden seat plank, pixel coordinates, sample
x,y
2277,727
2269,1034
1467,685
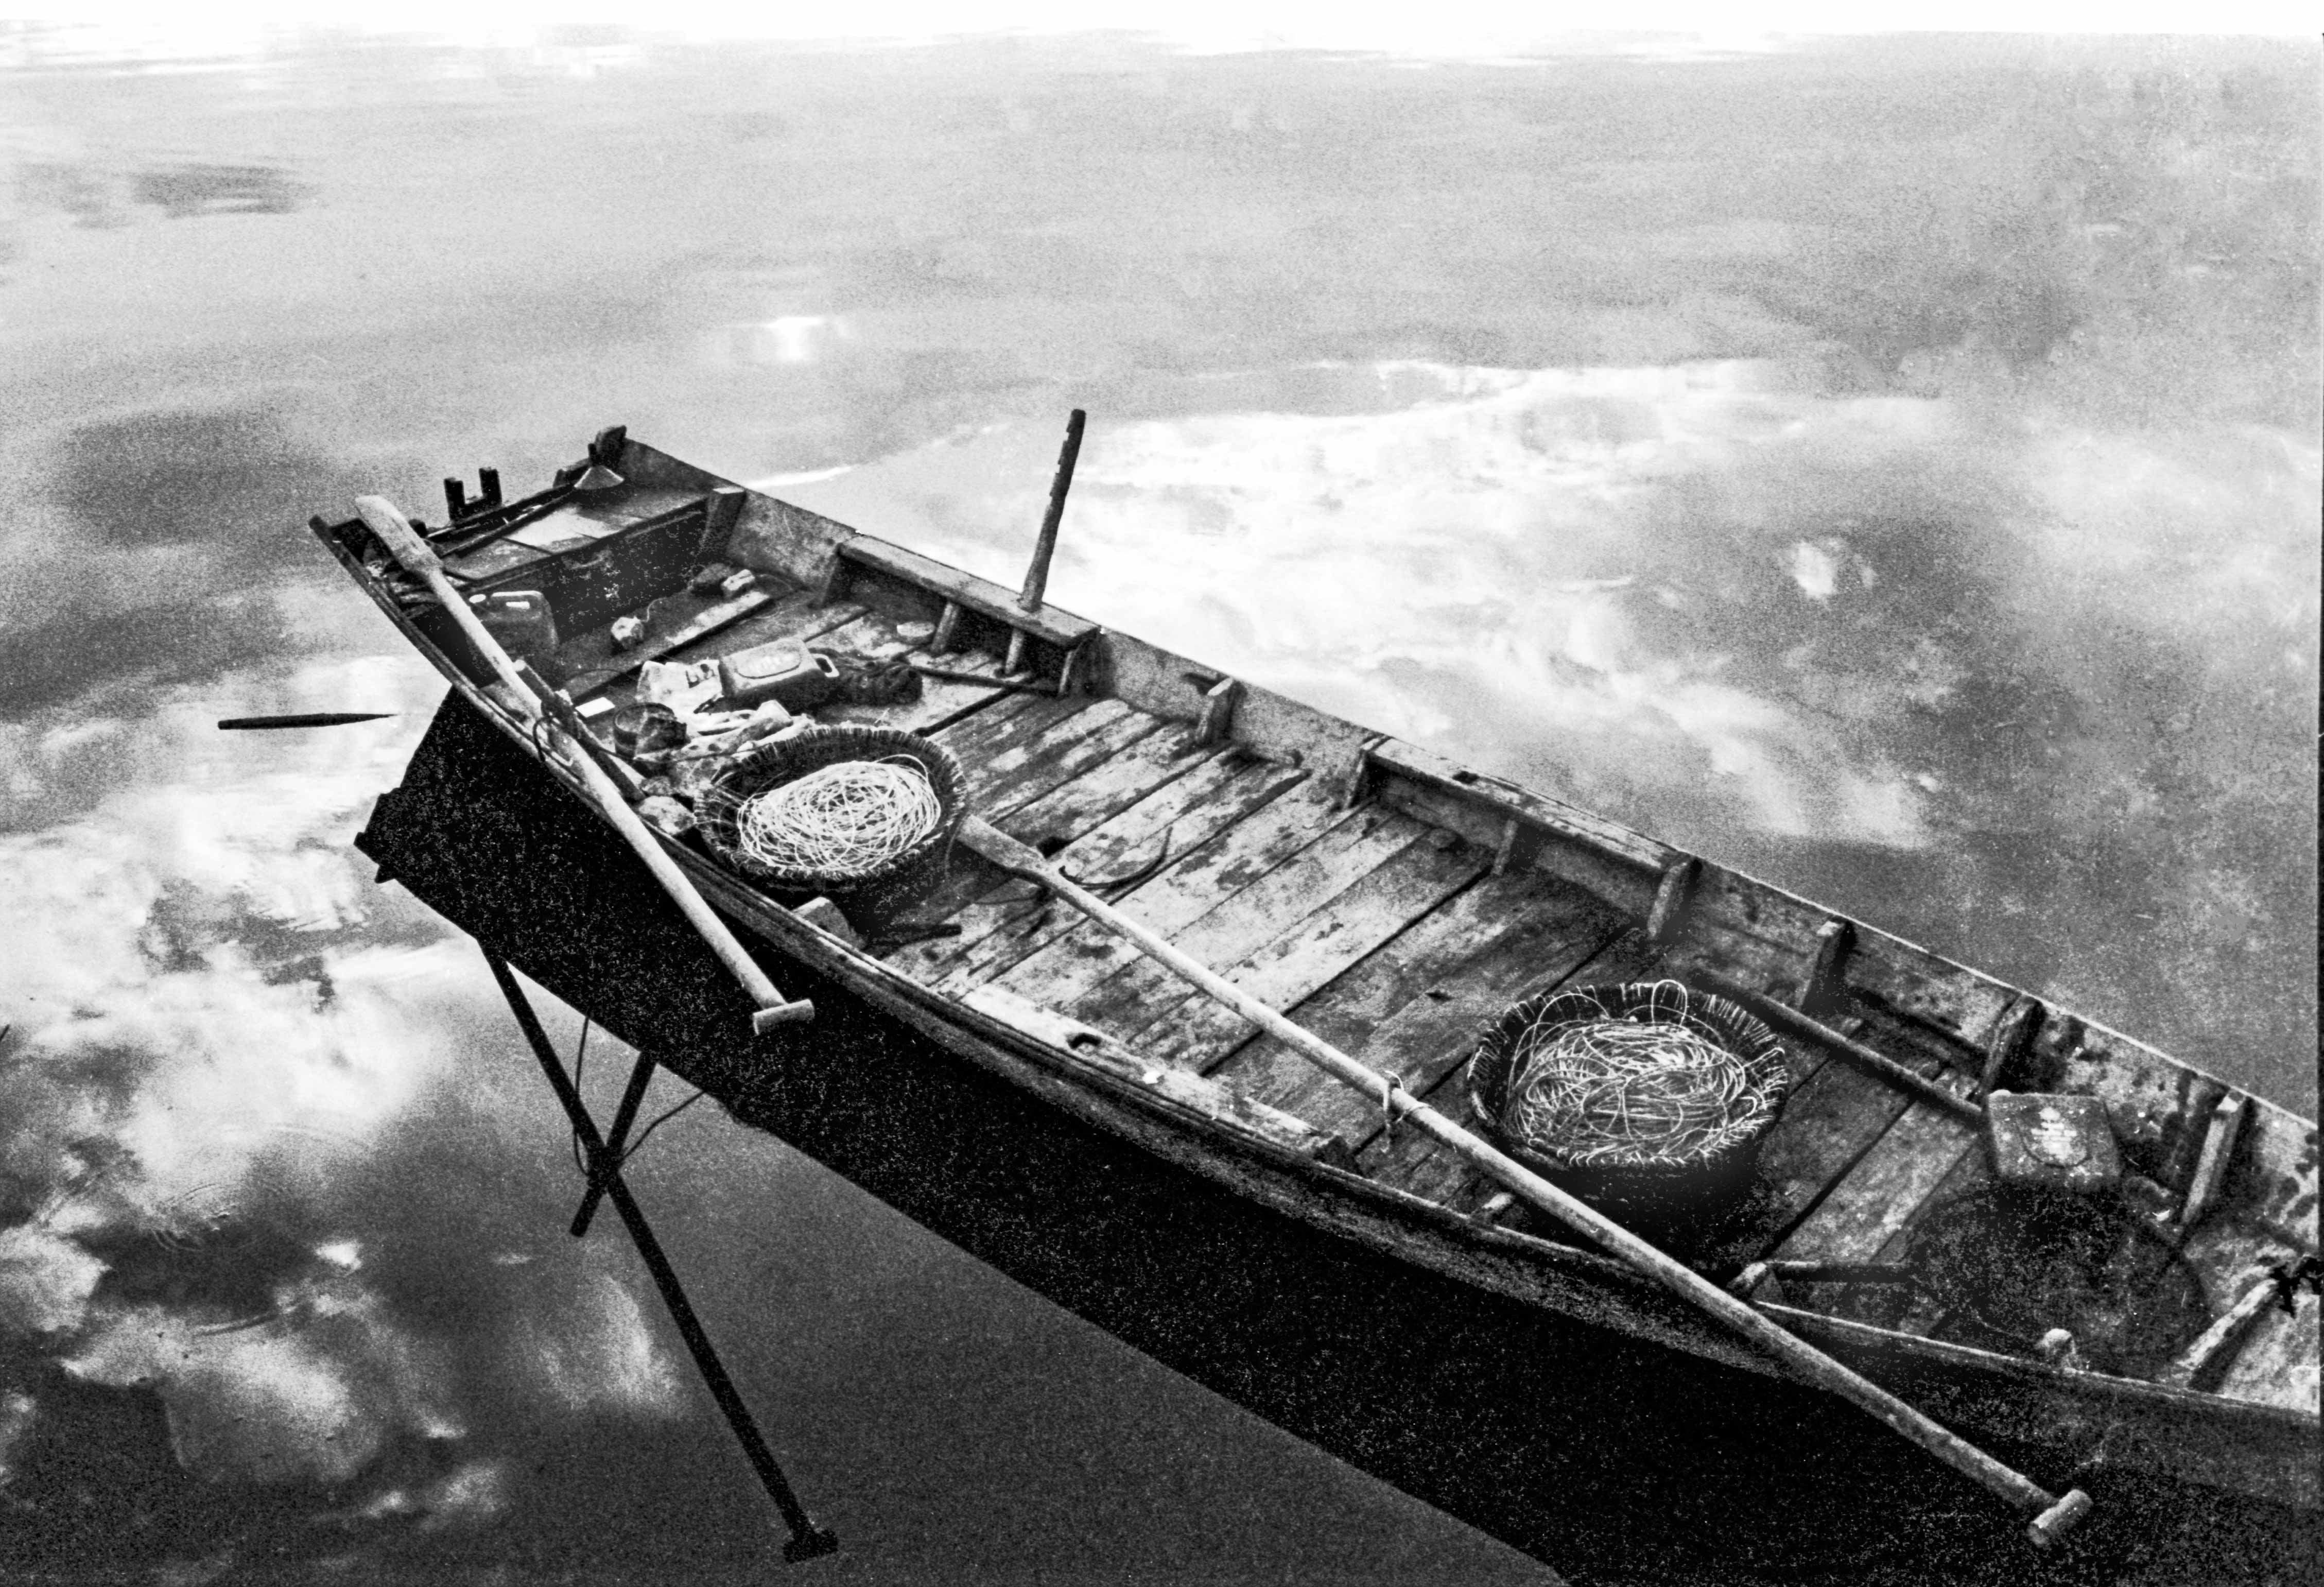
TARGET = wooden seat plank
x,y
1083,954
1415,1006
1245,921
1196,1032
1003,922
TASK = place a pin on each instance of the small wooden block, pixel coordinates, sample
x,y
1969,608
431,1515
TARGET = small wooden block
x,y
1825,988
2012,1036
941,643
720,510
1671,896
2220,1138
1507,845
826,917
1218,711
834,580
1356,785
2046,1139
2204,1362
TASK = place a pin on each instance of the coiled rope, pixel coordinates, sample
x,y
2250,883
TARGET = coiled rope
x,y
1647,1089
841,821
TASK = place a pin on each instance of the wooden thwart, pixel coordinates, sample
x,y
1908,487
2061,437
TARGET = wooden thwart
x,y
963,591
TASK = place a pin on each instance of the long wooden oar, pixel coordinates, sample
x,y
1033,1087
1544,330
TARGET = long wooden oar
x,y
418,559
2053,1515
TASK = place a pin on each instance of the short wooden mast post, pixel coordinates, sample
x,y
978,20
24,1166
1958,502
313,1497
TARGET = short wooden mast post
x,y
807,1540
1037,576
1044,547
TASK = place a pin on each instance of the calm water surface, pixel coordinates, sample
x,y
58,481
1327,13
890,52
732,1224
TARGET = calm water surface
x,y
1888,467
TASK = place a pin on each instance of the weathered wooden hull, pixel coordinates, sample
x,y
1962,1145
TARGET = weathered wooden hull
x,y
1133,1185
1605,1454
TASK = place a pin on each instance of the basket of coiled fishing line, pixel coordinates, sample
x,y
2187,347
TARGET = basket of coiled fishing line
x,y
1648,1097
862,815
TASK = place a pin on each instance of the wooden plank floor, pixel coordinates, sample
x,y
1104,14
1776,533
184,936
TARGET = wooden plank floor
x,y
1080,955
1115,820
1413,1007
1122,1002
1312,950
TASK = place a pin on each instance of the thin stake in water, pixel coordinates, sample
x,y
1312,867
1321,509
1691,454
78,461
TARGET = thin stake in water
x,y
301,719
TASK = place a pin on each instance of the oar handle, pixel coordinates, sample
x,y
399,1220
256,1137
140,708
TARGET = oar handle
x,y
1805,1360
418,559
403,543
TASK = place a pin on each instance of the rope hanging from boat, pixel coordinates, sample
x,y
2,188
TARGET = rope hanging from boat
x,y
580,1147
841,821
580,1068
1647,1088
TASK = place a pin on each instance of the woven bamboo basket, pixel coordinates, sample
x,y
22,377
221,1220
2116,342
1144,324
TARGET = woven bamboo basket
x,y
1655,1186
876,896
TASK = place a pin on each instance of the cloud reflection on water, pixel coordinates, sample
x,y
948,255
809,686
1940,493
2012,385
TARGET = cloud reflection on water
x,y
240,1162
1875,465
1871,645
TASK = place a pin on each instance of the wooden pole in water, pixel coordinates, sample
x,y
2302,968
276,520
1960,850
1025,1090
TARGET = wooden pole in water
x,y
1037,577
300,719
807,1541
418,558
617,1140
2053,1515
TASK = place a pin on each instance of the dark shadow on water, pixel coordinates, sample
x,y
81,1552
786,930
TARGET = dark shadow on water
x,y
183,191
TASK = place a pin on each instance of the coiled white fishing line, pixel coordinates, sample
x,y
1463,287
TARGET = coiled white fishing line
x,y
841,821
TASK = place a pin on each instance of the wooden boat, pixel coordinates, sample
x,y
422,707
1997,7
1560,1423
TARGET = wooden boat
x,y
1050,1098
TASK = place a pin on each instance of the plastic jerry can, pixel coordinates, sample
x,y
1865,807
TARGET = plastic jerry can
x,y
784,671
519,619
